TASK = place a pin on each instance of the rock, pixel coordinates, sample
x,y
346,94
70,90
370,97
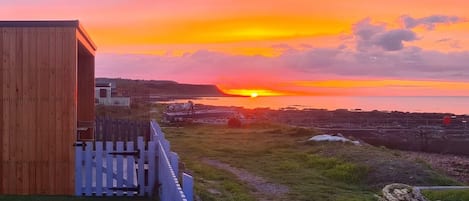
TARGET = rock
x,y
401,192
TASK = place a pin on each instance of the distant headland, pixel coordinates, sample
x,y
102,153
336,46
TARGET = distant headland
x,y
161,89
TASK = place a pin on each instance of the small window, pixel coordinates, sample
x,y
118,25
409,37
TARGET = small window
x,y
102,93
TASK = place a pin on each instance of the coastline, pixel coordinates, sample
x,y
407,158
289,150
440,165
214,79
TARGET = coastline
x,y
414,131
449,105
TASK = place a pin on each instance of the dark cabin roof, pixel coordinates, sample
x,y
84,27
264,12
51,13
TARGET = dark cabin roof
x,y
55,23
50,23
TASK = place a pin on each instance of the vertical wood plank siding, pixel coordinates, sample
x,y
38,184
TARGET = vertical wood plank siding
x,y
2,113
38,108
35,104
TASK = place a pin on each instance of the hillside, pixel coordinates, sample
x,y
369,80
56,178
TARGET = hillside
x,y
161,88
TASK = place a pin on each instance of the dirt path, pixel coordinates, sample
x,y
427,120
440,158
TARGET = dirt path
x,y
262,189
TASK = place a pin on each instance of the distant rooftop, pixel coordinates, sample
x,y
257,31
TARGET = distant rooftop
x,y
103,84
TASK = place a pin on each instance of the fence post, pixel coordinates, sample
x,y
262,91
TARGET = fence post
x,y
174,160
147,131
188,186
99,168
130,169
78,168
97,129
88,168
152,169
152,133
141,169
109,168
120,167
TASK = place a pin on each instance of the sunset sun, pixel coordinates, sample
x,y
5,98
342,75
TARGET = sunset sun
x,y
254,94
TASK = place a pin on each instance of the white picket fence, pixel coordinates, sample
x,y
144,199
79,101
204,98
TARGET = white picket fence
x,y
168,169
122,171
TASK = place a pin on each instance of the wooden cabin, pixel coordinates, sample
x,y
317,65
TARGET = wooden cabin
x,y
47,96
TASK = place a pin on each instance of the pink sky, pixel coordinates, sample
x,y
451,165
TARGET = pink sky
x,y
338,47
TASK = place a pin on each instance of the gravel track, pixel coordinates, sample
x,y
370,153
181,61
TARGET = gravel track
x,y
262,189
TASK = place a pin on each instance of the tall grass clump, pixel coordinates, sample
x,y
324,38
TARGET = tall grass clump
x,y
337,169
347,172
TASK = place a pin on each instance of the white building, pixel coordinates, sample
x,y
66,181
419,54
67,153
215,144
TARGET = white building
x,y
103,96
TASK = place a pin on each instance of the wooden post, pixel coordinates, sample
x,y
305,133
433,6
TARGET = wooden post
x,y
120,168
152,168
130,168
141,170
88,168
174,162
109,168
99,168
78,168
188,186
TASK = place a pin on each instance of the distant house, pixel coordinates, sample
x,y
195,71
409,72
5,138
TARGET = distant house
x,y
104,96
47,81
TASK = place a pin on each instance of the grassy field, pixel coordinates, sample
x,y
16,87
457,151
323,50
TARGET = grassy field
x,y
280,154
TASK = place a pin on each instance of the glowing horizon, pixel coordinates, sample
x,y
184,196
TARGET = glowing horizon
x,y
360,87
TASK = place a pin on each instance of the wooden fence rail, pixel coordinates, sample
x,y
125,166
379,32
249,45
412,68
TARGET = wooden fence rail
x,y
108,129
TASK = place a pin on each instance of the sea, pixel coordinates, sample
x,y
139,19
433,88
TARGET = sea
x,y
441,104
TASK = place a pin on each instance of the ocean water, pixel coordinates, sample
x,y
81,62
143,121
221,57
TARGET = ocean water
x,y
451,104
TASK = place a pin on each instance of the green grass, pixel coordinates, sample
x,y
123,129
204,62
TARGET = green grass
x,y
272,154
212,184
312,171
278,153
447,195
71,198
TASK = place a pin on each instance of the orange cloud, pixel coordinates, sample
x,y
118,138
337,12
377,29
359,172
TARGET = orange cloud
x,y
219,41
388,87
237,27
384,83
